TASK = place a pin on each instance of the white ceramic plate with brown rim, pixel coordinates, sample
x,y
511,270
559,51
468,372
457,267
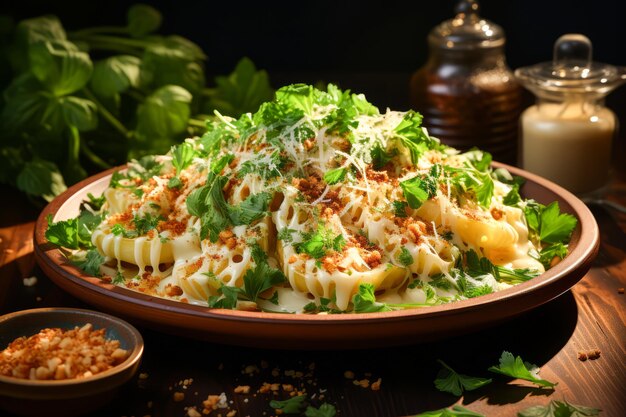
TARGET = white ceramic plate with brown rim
x,y
341,331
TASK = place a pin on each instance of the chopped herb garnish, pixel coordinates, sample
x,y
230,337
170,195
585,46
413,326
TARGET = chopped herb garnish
x,y
333,176
405,257
319,243
90,262
515,367
448,380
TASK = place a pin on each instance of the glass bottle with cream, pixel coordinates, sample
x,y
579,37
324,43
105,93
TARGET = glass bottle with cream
x,y
567,136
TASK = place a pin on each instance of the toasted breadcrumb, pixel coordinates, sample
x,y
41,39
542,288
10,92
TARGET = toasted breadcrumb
x,y
57,354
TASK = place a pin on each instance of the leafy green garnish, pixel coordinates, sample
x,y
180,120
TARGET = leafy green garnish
x,y
455,411
558,408
469,180
325,410
255,281
266,167
417,190
476,267
208,203
512,198
515,367
399,208
333,176
450,381
293,405
242,91
413,137
548,224
547,254
319,243
405,257
182,156
73,233
285,234
364,300
323,307
90,263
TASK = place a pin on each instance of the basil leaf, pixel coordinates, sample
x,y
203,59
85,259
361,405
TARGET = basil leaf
x,y
39,177
79,112
60,66
242,91
115,75
165,112
162,66
143,20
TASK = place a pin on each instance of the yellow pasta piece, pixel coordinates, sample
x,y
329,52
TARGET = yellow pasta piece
x,y
138,251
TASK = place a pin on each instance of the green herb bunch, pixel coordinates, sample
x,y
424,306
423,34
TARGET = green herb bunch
x,y
77,102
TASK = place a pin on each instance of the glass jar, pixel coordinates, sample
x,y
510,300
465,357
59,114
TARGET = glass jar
x,y
465,91
567,135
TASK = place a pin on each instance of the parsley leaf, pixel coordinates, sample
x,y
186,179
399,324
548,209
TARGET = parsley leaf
x,y
405,257
146,223
549,252
262,277
559,409
512,198
323,307
476,267
286,234
253,208
554,226
90,263
481,160
413,137
267,166
334,176
293,405
515,367
470,180
226,297
450,381
182,156
365,300
94,202
547,224
208,203
417,190
317,244
73,233
255,281
399,208
455,411
325,410
381,157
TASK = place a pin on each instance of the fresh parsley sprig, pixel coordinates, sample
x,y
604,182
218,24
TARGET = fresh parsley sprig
x,y
317,244
256,281
515,367
216,214
448,380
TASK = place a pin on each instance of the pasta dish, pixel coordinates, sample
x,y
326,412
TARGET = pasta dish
x,y
318,203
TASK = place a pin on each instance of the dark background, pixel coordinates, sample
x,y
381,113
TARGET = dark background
x,y
369,47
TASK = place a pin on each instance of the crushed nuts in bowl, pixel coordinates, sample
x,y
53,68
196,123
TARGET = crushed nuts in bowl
x,y
62,358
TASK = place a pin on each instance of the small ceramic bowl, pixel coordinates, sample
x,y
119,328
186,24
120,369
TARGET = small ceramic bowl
x,y
70,396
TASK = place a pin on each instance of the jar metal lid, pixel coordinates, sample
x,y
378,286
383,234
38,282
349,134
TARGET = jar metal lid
x,y
467,30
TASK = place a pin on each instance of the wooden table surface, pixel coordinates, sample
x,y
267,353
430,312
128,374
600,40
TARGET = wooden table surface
x,y
590,316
